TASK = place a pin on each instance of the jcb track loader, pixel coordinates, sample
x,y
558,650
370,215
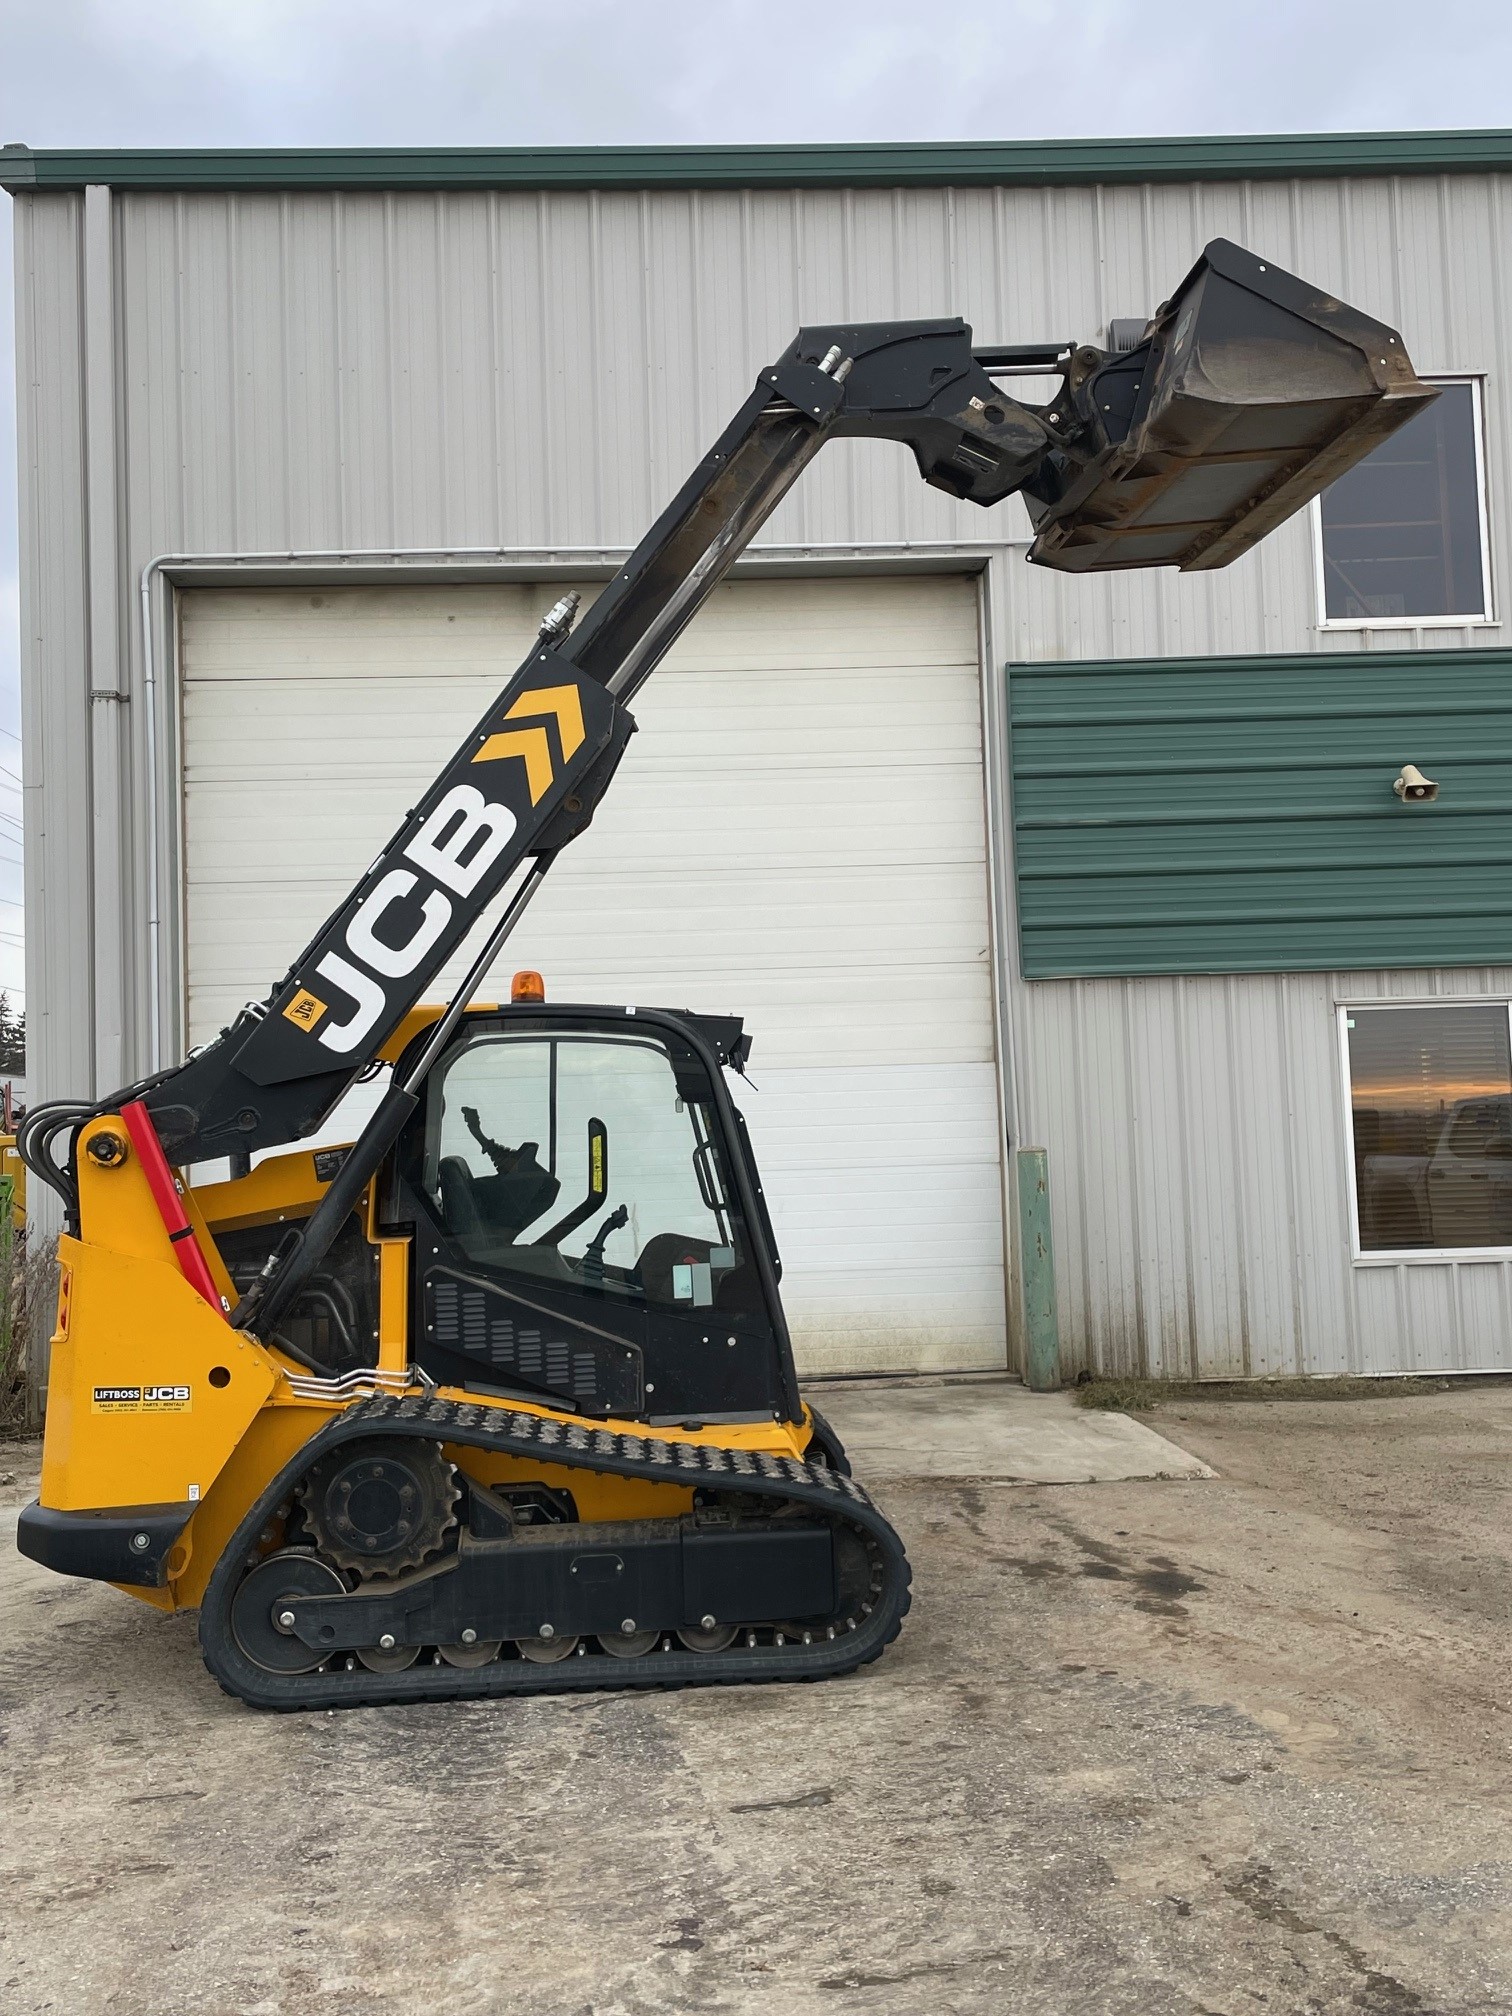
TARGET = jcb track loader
x,y
499,1398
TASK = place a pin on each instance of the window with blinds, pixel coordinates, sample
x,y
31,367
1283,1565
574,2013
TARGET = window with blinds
x,y
1430,1094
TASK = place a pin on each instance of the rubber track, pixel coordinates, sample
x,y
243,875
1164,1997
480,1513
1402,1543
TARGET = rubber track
x,y
572,1445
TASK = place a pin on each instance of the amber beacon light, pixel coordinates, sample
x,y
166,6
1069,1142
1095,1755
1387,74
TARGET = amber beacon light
x,y
527,986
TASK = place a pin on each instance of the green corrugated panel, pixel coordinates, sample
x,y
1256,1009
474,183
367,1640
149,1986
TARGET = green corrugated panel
x,y
1179,158
1231,815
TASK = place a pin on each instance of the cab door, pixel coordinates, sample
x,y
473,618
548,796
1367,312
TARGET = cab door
x,y
579,1228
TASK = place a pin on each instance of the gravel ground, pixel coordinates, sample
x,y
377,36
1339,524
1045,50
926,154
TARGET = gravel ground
x,y
1219,1746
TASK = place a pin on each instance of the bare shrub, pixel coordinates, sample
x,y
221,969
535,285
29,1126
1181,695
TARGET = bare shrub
x,y
28,1297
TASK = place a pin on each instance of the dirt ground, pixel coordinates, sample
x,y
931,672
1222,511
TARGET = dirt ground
x,y
1161,1749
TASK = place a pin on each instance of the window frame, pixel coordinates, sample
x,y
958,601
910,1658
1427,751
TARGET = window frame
x,y
1413,1256
1487,620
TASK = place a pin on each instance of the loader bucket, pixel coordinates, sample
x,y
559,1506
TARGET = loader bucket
x,y
1250,392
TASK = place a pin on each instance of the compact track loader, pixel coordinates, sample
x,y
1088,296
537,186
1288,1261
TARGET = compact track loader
x,y
499,1398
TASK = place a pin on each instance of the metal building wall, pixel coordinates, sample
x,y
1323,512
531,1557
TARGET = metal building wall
x,y
1196,1125
1235,815
300,372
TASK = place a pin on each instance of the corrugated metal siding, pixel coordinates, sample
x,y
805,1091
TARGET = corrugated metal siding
x,y
345,371
54,633
1236,815
1198,1150
327,370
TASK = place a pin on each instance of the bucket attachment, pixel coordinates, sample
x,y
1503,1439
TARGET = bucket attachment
x,y
1249,393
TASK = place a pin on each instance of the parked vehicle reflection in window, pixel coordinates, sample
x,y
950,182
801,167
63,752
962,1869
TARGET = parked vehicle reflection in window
x,y
1431,1106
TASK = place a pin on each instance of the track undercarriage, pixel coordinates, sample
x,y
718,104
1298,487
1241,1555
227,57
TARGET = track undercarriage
x,y
780,1569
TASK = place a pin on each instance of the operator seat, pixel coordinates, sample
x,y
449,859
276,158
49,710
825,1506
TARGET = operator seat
x,y
459,1206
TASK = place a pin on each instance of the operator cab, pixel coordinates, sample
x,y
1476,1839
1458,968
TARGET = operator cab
x,y
585,1216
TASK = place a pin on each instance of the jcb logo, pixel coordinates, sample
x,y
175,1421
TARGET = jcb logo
x,y
447,858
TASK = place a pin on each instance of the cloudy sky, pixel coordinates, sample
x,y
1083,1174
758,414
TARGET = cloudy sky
x,y
248,73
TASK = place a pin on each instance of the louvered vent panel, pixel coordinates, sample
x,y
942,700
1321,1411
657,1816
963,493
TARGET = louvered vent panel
x,y
482,1323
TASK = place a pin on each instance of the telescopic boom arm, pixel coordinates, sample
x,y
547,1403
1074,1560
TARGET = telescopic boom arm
x,y
1249,392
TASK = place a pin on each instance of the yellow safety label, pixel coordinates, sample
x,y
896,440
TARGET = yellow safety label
x,y
306,1009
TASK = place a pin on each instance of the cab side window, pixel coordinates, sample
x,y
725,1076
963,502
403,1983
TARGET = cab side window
x,y
590,1161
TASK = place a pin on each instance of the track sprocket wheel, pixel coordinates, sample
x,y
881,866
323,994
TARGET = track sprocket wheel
x,y
380,1507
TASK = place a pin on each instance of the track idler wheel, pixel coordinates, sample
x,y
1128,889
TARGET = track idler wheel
x,y
260,1597
380,1507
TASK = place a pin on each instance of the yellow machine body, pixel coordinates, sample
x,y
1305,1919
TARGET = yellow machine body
x,y
154,1399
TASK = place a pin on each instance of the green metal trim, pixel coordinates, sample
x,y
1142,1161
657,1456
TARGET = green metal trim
x,y
1225,157
1235,815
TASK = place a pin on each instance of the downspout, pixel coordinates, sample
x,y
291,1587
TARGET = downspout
x,y
108,695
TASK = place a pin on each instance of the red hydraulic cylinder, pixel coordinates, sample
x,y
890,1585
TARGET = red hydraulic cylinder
x,y
160,1181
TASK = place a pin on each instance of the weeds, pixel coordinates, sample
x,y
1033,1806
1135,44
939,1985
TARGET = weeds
x,y
28,1295
1143,1396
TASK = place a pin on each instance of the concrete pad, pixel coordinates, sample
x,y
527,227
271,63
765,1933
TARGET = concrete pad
x,y
993,1430
1136,1753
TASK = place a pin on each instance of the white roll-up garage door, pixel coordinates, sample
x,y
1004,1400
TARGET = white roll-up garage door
x,y
796,835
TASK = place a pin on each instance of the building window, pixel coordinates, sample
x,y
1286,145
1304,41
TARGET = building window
x,y
1402,539
1430,1098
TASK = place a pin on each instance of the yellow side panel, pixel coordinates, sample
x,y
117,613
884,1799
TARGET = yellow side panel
x,y
134,1415
285,1186
225,1286
275,1436
596,1494
115,1203
393,1304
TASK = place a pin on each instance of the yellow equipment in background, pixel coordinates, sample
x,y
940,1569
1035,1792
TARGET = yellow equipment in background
x,y
13,1172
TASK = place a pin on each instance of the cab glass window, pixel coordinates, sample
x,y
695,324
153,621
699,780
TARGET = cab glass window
x,y
1431,1114
593,1162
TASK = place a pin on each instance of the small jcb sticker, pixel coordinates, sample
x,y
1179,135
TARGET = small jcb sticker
x,y
166,1399
143,1399
305,1009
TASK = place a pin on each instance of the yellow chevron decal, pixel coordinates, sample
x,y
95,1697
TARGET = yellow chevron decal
x,y
531,745
563,702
